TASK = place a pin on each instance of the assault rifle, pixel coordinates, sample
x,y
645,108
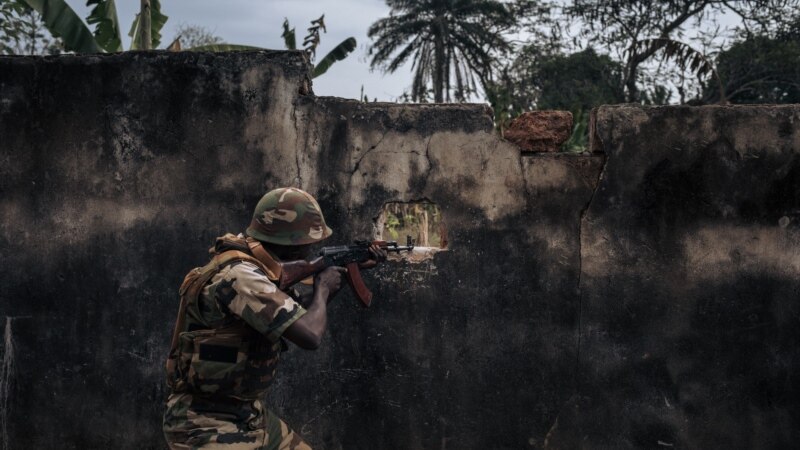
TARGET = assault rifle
x,y
348,256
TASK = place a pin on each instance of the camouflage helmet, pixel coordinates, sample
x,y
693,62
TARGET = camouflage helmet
x,y
288,216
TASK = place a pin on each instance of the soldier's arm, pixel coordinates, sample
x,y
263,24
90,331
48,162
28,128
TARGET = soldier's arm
x,y
246,292
306,332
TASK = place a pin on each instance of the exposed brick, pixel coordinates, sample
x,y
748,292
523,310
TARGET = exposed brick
x,y
540,131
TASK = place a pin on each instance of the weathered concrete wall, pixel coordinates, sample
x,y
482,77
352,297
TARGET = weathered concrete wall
x,y
690,282
118,171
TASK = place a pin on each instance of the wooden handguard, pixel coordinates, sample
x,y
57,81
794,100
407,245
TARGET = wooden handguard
x,y
357,284
294,271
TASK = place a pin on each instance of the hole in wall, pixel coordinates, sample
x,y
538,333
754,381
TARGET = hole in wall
x,y
421,220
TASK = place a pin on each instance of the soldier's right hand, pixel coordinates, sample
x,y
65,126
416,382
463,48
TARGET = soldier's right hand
x,y
330,278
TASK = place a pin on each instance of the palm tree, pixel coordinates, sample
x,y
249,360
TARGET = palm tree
x,y
450,42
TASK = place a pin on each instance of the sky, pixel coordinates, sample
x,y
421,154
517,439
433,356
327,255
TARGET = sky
x,y
259,23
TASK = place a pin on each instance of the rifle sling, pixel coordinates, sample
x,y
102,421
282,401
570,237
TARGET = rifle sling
x,y
274,269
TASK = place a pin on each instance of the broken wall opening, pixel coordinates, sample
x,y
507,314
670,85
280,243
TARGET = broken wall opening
x,y
422,221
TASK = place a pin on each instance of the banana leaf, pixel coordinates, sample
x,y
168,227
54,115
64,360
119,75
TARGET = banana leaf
x,y
157,21
288,36
222,48
106,30
62,22
339,53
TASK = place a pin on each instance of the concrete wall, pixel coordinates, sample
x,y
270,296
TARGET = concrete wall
x,y
690,282
613,313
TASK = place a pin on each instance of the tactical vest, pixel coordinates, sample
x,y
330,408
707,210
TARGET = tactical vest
x,y
227,358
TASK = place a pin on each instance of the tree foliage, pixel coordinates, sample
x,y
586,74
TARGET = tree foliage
x,y
62,22
452,44
759,69
422,221
578,81
685,56
104,17
22,31
312,40
289,39
338,53
548,79
157,21
620,24
192,36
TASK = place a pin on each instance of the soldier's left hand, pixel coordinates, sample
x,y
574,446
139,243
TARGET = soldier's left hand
x,y
377,255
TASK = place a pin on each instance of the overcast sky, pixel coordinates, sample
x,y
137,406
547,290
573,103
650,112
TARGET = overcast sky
x,y
258,22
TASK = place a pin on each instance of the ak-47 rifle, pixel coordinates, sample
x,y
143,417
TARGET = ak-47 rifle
x,y
348,256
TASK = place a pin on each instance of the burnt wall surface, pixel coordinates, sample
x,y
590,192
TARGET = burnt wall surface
x,y
638,300
690,282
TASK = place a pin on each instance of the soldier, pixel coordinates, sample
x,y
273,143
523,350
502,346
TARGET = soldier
x,y
232,324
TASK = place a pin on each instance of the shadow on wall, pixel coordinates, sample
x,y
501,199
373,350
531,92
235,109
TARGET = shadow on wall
x,y
6,382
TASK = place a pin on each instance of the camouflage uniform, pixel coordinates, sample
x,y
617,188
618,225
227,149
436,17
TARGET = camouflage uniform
x,y
228,341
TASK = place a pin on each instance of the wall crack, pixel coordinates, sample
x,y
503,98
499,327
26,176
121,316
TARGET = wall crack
x,y
367,152
428,159
299,178
524,181
579,289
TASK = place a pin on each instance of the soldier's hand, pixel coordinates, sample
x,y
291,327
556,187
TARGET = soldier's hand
x,y
378,255
330,279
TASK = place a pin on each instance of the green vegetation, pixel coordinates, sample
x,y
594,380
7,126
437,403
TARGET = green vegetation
x,y
192,36
575,82
22,31
621,26
310,44
452,45
311,41
579,54
76,36
22,23
759,69
518,55
420,220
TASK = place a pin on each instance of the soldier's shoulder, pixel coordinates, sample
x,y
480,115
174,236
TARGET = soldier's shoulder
x,y
245,267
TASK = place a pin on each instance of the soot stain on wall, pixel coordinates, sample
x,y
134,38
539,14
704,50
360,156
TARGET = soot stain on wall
x,y
649,306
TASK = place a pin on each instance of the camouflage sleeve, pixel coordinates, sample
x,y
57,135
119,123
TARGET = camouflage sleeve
x,y
259,302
